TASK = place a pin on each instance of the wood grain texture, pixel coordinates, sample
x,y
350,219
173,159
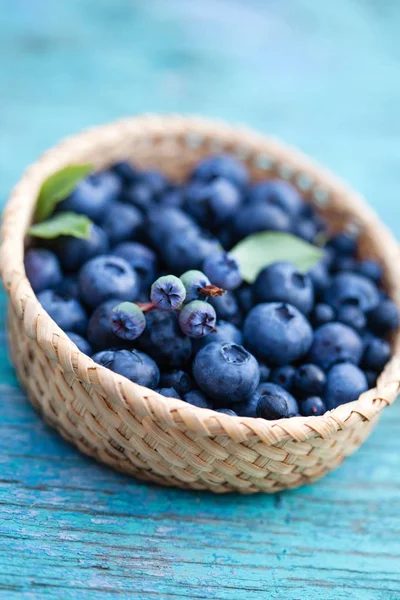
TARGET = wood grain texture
x,y
72,529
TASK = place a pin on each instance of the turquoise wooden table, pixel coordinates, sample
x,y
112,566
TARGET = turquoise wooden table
x,y
321,75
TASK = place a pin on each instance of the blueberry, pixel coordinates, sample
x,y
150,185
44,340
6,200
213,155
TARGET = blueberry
x,y
277,193
67,312
168,392
223,270
344,383
278,333
260,217
284,376
223,332
248,407
127,321
125,170
353,317
245,298
377,353
322,313
42,269
384,318
371,377
139,195
79,341
344,243
224,165
197,319
93,195
309,380
275,403
265,372
132,364
122,222
188,249
177,379
352,289
334,343
226,237
107,277
141,259
155,180
227,308
226,372
344,263
105,358
68,287
100,333
312,407
213,203
320,277
371,269
194,281
173,197
164,340
283,282
305,229
168,292
168,222
73,252
226,411
197,398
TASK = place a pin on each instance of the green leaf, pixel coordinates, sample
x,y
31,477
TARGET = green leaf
x,y
57,187
67,223
262,249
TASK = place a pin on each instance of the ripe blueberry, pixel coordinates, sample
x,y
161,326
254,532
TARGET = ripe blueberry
x,y
223,270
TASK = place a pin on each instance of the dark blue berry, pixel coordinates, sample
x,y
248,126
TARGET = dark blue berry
x,y
227,308
377,353
277,333
188,250
223,165
127,321
164,340
213,203
371,269
344,263
320,277
277,193
322,313
106,277
223,332
223,270
168,392
275,403
371,377
265,372
305,229
155,180
197,319
104,358
344,243
68,286
353,317
226,372
226,411
194,281
142,260
79,341
173,197
284,376
334,343
384,318
309,380
125,170
139,195
73,252
197,398
100,333
122,222
67,312
283,282
312,407
168,222
344,383
93,196
132,364
42,269
352,289
248,408
260,217
178,379
167,292
245,298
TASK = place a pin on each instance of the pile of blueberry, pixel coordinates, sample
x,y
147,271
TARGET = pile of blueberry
x,y
155,295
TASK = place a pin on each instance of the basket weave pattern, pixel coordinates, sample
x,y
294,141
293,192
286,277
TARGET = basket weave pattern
x,y
135,430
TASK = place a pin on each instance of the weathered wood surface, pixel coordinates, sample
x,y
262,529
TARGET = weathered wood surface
x,y
322,76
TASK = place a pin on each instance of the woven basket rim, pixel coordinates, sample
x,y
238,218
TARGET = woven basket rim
x,y
176,413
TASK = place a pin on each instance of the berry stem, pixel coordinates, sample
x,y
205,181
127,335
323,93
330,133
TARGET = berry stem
x,y
211,291
145,306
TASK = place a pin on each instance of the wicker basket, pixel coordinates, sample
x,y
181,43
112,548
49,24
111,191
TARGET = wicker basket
x,y
132,428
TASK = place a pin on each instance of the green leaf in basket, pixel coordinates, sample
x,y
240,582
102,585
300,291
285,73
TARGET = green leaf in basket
x,y
67,223
57,187
262,249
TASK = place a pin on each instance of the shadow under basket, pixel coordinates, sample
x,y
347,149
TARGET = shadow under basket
x,y
132,428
